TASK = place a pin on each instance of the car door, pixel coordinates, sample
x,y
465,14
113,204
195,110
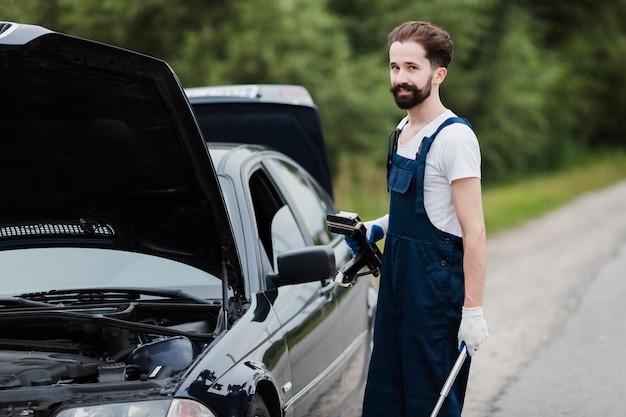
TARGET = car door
x,y
308,312
356,304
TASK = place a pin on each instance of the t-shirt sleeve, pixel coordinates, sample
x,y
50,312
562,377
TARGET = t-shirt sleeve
x,y
459,155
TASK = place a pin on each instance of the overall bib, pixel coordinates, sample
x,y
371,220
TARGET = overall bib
x,y
419,303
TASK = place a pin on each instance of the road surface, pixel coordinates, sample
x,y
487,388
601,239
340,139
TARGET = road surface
x,y
554,302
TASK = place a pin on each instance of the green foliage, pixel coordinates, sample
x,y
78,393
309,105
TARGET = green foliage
x,y
541,82
512,204
515,109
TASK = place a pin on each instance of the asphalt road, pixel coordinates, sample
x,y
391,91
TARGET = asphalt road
x,y
554,303
580,371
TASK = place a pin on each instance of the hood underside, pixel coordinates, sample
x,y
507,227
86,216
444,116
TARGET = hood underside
x,y
99,148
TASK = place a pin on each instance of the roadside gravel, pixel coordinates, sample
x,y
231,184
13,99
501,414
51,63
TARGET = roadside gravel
x,y
536,275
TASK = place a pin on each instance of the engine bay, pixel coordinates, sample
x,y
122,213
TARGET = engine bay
x,y
100,343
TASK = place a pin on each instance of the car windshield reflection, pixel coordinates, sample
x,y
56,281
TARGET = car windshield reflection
x,y
43,269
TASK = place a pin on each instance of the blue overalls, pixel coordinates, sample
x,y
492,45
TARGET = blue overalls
x,y
419,304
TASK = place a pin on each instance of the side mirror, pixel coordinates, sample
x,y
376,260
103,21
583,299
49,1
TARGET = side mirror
x,y
297,266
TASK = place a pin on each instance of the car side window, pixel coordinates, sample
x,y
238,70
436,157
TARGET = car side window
x,y
277,227
285,233
312,203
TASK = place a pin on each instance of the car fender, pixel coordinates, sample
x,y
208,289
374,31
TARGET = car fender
x,y
228,373
231,394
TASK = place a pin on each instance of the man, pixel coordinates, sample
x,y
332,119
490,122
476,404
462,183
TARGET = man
x,y
434,260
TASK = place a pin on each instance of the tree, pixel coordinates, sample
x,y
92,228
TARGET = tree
x,y
538,80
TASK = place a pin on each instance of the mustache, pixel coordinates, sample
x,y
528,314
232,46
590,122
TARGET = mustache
x,y
396,88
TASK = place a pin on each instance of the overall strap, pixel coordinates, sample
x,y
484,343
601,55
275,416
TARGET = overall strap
x,y
426,142
391,150
421,160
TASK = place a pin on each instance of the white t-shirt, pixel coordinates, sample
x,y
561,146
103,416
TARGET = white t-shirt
x,y
454,154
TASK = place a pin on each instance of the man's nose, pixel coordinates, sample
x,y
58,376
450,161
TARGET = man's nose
x,y
400,77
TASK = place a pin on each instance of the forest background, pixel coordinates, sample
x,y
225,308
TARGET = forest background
x,y
542,82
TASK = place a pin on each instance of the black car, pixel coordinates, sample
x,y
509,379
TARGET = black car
x,y
143,275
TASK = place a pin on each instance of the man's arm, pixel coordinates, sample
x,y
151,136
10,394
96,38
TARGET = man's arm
x,y
467,199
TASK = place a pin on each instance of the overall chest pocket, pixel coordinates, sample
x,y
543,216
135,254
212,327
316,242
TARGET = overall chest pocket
x,y
400,179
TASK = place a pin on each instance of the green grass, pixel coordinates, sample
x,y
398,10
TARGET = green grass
x,y
363,190
513,204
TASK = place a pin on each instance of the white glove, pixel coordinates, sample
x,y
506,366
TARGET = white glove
x,y
376,229
473,329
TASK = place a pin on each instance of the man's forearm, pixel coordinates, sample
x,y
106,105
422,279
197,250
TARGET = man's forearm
x,y
474,268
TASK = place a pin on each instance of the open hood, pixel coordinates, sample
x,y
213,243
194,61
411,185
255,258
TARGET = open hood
x,y
99,148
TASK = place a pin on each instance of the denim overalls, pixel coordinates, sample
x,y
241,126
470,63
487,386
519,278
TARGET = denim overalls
x,y
419,303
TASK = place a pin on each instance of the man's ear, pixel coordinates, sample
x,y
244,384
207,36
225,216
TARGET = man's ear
x,y
440,75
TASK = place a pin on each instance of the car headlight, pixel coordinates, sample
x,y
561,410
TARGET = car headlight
x,y
154,408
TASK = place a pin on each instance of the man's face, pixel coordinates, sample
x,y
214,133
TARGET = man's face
x,y
410,73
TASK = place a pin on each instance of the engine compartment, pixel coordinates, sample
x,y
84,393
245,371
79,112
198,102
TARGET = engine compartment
x,y
102,343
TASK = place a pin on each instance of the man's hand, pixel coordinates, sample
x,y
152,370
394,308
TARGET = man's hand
x,y
473,329
375,230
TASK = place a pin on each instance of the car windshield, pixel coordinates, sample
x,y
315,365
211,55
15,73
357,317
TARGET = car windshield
x,y
45,269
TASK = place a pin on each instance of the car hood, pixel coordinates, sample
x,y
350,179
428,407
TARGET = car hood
x,y
100,148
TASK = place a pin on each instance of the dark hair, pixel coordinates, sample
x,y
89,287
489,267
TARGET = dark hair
x,y
434,39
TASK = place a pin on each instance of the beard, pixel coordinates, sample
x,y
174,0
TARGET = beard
x,y
417,96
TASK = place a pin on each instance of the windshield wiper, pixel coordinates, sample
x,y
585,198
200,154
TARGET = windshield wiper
x,y
23,301
91,295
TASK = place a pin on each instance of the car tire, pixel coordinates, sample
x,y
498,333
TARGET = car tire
x,y
257,407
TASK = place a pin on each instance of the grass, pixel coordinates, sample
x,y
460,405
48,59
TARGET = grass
x,y
361,189
512,204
